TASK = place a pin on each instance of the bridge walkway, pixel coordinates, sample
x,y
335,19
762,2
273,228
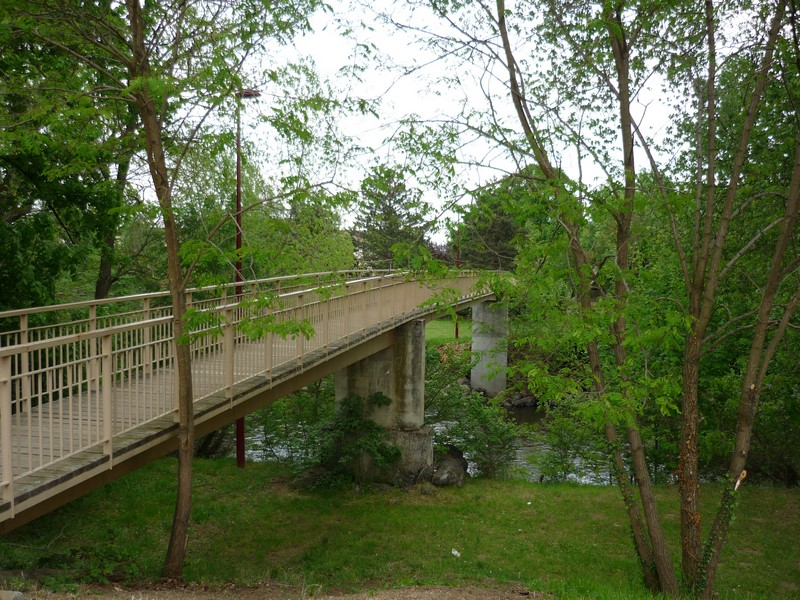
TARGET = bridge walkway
x,y
84,400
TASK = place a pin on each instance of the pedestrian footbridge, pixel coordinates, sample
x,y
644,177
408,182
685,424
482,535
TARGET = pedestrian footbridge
x,y
88,389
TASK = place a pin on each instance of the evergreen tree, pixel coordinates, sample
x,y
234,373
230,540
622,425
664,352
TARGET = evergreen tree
x,y
390,222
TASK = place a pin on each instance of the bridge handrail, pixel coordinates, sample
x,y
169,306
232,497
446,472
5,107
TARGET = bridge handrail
x,y
165,293
81,336
84,366
122,328
12,337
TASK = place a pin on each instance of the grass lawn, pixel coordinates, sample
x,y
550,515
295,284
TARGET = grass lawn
x,y
441,331
249,526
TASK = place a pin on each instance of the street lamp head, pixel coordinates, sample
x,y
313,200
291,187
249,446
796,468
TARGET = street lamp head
x,y
247,93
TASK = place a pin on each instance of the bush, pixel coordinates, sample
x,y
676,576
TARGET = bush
x,y
570,449
309,429
352,435
292,430
466,419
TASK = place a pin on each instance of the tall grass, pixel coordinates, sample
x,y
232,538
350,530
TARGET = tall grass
x,y
249,526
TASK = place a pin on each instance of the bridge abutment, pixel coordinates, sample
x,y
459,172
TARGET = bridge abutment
x,y
397,372
490,347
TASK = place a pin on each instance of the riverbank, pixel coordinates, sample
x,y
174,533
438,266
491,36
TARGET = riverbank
x,y
249,529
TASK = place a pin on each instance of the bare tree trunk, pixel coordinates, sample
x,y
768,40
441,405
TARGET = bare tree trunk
x,y
140,71
688,479
640,538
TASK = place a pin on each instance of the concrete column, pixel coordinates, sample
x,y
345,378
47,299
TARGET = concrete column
x,y
489,345
398,372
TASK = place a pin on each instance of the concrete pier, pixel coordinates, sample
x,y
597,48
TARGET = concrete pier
x,y
490,347
397,372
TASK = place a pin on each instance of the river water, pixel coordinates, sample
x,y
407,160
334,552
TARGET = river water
x,y
530,452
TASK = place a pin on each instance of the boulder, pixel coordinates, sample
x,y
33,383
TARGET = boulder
x,y
451,469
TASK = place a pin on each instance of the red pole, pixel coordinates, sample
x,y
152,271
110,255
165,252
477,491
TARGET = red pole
x,y
240,459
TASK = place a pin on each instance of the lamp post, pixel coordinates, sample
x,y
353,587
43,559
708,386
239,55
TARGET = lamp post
x,y
244,93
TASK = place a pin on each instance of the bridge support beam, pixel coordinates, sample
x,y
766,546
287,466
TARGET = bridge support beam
x,y
397,372
490,347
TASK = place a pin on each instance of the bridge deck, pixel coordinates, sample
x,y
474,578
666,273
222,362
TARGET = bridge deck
x,y
65,432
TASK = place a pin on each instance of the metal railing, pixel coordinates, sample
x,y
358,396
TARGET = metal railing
x,y
74,376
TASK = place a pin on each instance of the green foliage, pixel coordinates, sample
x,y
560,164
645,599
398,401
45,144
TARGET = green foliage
x,y
353,434
480,428
292,429
31,260
488,228
308,429
59,198
485,434
389,226
570,449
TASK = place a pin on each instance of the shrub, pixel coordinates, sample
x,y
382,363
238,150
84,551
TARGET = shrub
x,y
477,426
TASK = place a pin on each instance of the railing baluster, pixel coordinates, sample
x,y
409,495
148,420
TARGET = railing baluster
x,y
24,403
6,442
326,321
365,305
299,314
108,388
228,352
147,350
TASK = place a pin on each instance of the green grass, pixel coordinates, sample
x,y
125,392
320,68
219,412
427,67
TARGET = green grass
x,y
442,331
248,526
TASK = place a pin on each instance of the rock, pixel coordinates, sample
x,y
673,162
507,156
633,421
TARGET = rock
x,y
426,489
306,480
451,470
517,400
6,595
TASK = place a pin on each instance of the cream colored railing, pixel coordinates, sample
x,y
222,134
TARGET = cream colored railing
x,y
74,376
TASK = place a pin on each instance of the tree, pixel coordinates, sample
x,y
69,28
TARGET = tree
x,y
487,229
576,88
64,159
174,63
390,220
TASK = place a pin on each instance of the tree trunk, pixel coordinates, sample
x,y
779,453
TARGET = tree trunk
x,y
755,372
640,538
620,49
140,72
709,245
688,480
104,276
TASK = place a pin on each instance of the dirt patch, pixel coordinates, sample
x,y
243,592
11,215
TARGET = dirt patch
x,y
272,591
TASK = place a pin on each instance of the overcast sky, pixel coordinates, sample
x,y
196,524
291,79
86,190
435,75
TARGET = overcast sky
x,y
415,93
